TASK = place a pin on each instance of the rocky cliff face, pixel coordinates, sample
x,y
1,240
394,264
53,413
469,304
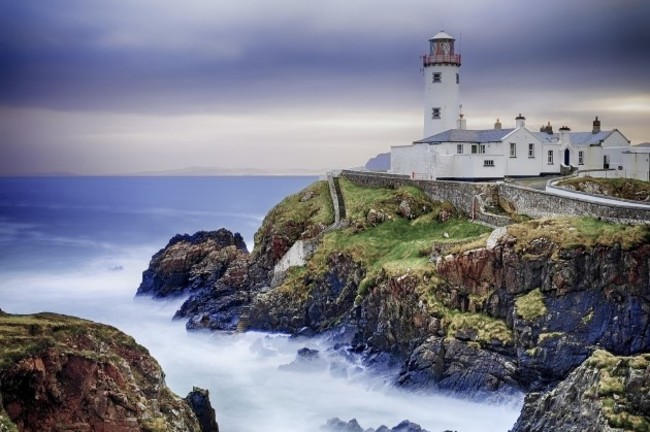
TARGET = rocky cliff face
x,y
423,287
606,393
217,271
63,373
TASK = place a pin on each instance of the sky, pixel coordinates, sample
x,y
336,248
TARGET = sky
x,y
122,86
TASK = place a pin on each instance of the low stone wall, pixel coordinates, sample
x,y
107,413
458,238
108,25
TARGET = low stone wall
x,y
536,203
531,202
461,194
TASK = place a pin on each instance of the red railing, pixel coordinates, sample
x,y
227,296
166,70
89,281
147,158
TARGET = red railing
x,y
441,59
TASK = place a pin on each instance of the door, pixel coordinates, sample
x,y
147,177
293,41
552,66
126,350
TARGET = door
x,y
605,161
567,157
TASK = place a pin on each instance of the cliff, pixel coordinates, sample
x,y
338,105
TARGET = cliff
x,y
63,373
458,307
606,393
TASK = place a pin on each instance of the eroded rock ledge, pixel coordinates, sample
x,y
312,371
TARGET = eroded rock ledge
x,y
63,373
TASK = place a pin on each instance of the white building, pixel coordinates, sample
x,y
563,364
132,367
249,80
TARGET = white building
x,y
450,151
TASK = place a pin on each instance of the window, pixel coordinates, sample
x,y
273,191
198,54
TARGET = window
x,y
550,157
513,150
581,157
488,163
481,149
474,148
531,150
457,78
459,149
435,113
437,77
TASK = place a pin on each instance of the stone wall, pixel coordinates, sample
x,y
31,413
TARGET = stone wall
x,y
537,203
463,195
531,202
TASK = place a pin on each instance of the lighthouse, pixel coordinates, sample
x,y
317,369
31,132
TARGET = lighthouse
x,y
441,85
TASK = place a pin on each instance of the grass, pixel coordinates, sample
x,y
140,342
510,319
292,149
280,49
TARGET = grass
x,y
570,232
28,335
531,305
613,370
632,189
393,247
297,213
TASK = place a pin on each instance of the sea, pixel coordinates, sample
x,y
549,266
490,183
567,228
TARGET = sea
x,y
79,245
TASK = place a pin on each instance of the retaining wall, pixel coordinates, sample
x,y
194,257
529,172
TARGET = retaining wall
x,y
532,202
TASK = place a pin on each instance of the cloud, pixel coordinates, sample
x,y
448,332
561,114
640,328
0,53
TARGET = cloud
x,y
224,74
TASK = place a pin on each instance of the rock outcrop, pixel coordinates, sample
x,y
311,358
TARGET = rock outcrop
x,y
423,289
338,425
217,272
63,373
606,393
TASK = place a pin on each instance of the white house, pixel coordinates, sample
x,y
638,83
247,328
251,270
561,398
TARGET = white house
x,y
451,151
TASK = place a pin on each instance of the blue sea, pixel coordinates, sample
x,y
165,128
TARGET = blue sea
x,y
78,245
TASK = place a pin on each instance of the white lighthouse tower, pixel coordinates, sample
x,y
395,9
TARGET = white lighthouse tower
x,y
441,85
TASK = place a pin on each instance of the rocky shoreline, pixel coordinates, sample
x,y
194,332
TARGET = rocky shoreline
x,y
63,373
519,315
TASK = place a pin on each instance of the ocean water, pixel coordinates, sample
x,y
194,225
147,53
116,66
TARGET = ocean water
x,y
78,245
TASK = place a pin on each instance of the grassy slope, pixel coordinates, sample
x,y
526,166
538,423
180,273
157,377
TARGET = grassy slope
x,y
631,189
570,232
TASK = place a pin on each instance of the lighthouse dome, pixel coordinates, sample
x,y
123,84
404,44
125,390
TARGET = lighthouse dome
x,y
442,35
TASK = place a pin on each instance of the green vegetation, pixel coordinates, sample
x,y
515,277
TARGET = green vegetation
x,y
614,370
27,335
397,244
631,189
531,306
549,335
483,329
310,208
397,240
572,232
488,329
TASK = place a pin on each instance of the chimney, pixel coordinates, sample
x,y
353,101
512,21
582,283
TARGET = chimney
x,y
462,122
596,128
497,125
564,135
520,121
549,129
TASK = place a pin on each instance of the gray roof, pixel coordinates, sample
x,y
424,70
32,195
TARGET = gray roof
x,y
588,138
464,135
577,138
545,137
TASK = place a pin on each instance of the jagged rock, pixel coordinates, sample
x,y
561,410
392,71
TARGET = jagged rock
x,y
337,425
606,393
307,360
458,366
199,401
190,263
312,302
58,373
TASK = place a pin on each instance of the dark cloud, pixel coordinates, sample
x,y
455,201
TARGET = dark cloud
x,y
167,57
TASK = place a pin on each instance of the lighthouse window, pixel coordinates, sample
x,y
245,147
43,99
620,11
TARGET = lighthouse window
x,y
531,150
437,77
550,157
459,149
513,150
581,157
457,78
435,113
